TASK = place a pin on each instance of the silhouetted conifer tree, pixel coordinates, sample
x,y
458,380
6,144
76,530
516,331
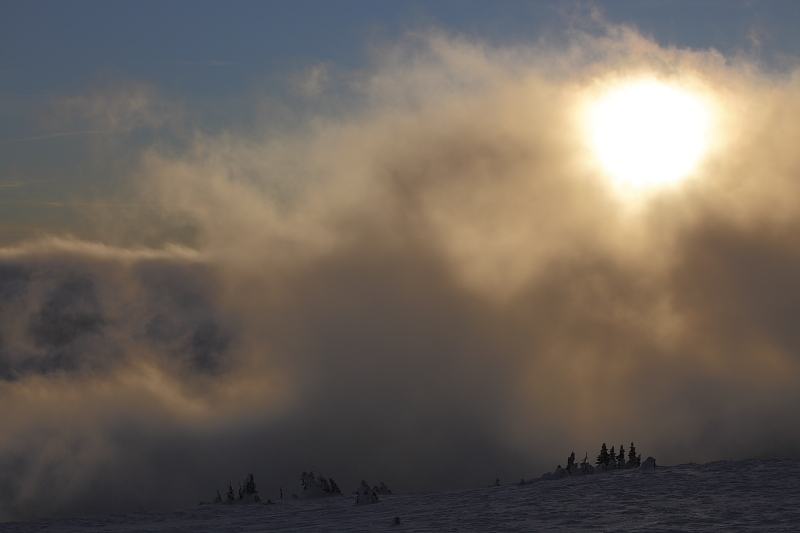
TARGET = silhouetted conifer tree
x,y
231,495
250,485
603,458
571,461
632,455
621,456
612,456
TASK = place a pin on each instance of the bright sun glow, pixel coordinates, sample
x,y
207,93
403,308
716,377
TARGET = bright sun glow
x,y
648,133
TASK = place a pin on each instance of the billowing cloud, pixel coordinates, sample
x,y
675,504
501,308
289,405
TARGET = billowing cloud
x,y
434,286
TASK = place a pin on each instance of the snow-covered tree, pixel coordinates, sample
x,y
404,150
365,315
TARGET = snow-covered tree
x,y
365,495
248,491
323,483
231,495
318,486
250,485
383,490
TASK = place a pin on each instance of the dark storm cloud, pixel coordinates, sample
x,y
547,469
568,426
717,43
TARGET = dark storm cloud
x,y
69,312
80,315
443,290
13,280
188,325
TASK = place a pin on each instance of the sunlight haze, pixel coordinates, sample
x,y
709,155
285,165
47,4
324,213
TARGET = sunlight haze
x,y
427,243
647,133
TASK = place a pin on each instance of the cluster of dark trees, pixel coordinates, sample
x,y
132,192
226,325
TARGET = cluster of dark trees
x,y
246,491
313,486
617,460
606,460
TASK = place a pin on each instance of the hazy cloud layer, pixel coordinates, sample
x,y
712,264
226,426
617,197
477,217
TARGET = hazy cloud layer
x,y
434,288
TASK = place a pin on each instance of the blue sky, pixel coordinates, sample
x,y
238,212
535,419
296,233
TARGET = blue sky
x,y
58,46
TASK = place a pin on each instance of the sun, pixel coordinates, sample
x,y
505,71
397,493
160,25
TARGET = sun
x,y
647,133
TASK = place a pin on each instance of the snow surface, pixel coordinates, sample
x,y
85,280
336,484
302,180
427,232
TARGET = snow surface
x,y
754,495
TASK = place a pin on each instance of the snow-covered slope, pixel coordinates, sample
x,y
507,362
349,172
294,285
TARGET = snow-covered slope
x,y
755,495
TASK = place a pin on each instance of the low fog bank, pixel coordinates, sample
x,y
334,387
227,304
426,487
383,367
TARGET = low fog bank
x,y
435,289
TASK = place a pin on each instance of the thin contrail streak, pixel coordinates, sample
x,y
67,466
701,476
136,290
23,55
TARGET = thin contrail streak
x,y
85,204
52,135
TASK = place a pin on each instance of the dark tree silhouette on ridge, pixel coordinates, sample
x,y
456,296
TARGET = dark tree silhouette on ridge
x,y
604,457
635,460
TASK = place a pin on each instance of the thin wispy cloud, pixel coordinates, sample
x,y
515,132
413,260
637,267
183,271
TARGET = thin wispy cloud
x,y
14,184
21,230
92,204
206,63
120,106
55,135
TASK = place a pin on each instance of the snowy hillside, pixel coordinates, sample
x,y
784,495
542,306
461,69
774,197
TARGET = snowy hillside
x,y
754,495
